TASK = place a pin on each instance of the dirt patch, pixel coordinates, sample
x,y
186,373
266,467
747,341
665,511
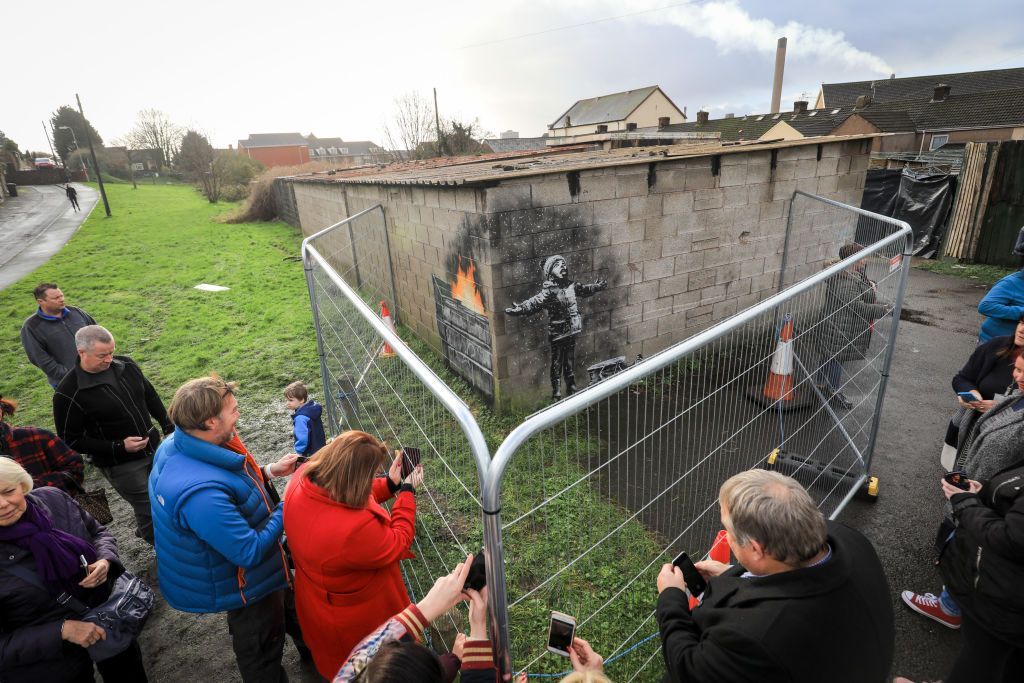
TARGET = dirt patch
x,y
175,642
920,317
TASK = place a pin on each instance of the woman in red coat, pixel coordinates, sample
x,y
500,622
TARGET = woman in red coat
x,y
346,546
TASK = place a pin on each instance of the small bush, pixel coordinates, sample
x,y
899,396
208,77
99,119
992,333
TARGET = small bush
x,y
233,193
260,205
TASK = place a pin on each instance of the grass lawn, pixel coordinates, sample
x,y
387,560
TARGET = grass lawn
x,y
988,275
135,272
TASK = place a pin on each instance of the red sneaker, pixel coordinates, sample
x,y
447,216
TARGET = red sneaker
x,y
929,605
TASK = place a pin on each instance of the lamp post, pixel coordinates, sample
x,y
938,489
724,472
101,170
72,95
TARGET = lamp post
x,y
77,149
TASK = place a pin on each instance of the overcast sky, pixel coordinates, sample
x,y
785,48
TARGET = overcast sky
x,y
334,68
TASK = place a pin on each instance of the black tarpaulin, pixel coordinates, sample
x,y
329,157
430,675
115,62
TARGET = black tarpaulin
x,y
923,200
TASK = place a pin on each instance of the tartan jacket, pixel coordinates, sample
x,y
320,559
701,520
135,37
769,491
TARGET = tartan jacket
x,y
44,455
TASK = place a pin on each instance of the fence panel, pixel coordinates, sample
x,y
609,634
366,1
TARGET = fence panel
x,y
375,383
598,491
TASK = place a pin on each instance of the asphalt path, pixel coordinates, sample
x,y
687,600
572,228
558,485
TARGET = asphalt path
x,y
36,224
936,335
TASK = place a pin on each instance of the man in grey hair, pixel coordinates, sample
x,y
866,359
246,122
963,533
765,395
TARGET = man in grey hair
x,y
104,408
807,600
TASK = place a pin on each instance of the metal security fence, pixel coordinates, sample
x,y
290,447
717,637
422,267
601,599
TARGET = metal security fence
x,y
584,501
375,383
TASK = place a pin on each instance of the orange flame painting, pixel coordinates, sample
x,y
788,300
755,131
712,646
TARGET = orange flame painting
x,y
464,288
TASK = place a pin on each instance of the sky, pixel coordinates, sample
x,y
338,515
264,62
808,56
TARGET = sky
x,y
335,68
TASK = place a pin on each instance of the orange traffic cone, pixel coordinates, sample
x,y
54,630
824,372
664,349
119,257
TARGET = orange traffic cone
x,y
778,389
720,550
385,315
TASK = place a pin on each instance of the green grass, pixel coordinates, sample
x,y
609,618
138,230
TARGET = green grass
x,y
135,272
988,275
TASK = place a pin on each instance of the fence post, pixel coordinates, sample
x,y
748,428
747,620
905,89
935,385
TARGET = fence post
x,y
325,377
396,312
785,245
495,566
908,247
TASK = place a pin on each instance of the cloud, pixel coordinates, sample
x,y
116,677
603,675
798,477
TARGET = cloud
x,y
732,29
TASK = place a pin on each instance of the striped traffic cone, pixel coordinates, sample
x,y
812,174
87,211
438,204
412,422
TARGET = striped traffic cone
x,y
778,389
385,314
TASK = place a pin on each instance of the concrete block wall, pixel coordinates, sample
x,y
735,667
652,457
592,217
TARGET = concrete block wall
x,y
682,243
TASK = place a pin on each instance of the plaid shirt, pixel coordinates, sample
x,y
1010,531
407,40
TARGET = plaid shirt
x,y
44,455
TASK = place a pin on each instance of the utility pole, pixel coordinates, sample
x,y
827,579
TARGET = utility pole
x,y
437,125
92,154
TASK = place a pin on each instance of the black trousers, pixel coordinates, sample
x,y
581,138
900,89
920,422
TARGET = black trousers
x,y
257,637
563,358
120,668
984,657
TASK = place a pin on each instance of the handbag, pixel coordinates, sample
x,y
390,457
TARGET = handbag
x,y
94,502
121,616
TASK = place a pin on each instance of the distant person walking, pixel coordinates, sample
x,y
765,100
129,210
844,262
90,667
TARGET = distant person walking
x,y
72,194
104,408
48,335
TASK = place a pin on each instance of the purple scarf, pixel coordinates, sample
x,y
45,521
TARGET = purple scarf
x,y
56,552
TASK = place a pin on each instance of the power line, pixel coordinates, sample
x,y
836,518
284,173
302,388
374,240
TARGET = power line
x,y
584,23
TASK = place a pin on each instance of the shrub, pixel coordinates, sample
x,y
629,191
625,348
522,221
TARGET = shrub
x,y
260,205
234,192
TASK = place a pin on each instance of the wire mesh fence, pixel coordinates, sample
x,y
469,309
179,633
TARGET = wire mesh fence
x,y
585,500
384,389
626,475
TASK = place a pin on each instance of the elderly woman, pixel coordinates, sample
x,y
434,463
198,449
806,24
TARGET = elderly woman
x,y
43,454
44,533
995,447
346,546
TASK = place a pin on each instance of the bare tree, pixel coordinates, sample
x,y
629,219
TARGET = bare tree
x,y
155,130
412,124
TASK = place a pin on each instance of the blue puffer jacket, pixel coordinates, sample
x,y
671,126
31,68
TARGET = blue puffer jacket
x,y
308,429
217,533
1002,307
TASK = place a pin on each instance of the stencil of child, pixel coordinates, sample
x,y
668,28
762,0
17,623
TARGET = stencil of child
x,y
559,297
307,427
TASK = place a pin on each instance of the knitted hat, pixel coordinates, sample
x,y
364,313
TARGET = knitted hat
x,y
549,263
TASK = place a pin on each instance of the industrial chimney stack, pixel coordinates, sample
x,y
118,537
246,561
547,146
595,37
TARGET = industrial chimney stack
x,y
780,65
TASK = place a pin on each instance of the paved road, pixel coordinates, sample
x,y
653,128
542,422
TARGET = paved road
x,y
937,334
36,224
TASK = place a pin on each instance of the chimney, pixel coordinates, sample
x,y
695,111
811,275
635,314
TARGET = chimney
x,y
941,93
800,107
631,125
702,117
780,65
662,121
862,101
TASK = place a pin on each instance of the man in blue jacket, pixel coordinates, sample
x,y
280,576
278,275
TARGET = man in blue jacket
x,y
217,528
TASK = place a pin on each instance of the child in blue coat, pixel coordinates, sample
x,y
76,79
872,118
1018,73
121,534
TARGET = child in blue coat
x,y
307,427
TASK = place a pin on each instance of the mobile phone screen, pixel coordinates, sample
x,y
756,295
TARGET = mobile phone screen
x,y
695,583
959,480
967,396
560,634
410,458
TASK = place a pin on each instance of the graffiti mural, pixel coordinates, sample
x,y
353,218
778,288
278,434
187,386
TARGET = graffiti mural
x,y
464,329
559,297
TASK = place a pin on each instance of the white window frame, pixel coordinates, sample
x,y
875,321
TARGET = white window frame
x,y
940,139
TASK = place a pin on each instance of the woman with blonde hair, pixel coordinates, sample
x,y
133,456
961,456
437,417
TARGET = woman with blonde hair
x,y
47,540
346,546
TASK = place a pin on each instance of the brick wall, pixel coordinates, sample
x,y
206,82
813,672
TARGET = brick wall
x,y
682,244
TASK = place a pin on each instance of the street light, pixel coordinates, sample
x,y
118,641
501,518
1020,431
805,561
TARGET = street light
x,y
75,140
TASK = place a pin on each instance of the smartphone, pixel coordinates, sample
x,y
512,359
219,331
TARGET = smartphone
x,y
410,459
695,583
967,396
560,633
959,479
477,577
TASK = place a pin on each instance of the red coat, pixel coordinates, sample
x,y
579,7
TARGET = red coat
x,y
347,576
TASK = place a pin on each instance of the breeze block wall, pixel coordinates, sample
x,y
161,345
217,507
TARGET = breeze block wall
x,y
682,244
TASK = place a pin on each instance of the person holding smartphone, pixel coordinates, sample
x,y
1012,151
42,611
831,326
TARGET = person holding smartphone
x,y
803,593
346,546
979,384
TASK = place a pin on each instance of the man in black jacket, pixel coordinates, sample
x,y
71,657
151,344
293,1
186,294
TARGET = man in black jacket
x,y
48,335
104,409
808,601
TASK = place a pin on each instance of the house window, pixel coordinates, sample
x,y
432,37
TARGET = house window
x,y
938,141
344,150
321,151
332,150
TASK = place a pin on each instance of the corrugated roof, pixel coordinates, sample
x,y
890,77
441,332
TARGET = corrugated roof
x,y
273,140
489,168
605,108
894,89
